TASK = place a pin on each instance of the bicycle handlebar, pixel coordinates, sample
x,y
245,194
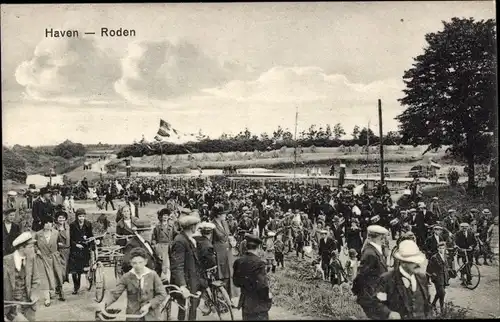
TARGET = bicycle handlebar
x,y
14,303
177,289
103,315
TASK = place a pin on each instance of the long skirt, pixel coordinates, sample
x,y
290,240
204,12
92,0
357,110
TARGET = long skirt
x,y
65,255
163,252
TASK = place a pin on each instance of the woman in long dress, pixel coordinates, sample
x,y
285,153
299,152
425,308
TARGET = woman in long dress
x,y
126,225
49,262
63,241
162,237
220,240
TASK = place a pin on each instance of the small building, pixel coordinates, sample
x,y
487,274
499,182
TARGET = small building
x,y
99,154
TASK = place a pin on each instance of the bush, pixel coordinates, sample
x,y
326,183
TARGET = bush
x,y
453,176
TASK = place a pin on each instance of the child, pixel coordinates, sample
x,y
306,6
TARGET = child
x,y
279,248
351,265
336,270
270,255
299,243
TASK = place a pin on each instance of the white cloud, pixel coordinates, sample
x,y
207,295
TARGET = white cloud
x,y
306,84
164,70
68,70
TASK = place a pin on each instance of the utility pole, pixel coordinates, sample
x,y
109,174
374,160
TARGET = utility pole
x,y
295,141
381,141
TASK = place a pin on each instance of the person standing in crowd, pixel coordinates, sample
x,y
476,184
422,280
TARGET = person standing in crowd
x,y
353,237
417,220
466,241
279,249
222,247
325,249
338,233
493,239
184,265
250,275
11,231
126,225
437,269
432,242
372,265
450,221
85,184
13,201
204,213
80,251
63,241
435,208
21,278
108,198
351,265
141,238
401,293
42,210
50,262
71,203
163,235
270,251
145,290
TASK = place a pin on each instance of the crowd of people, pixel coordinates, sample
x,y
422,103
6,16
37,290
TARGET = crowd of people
x,y
203,222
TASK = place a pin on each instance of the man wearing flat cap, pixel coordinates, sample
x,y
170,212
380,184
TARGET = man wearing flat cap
x,y
20,278
401,293
250,275
142,236
11,231
431,243
185,264
466,241
372,265
43,210
437,269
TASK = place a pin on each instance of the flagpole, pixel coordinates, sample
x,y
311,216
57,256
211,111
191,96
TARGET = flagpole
x,y
161,158
295,140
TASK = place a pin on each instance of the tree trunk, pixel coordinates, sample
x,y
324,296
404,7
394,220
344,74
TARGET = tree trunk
x,y
470,172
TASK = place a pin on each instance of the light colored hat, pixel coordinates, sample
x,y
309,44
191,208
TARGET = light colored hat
x,y
474,210
394,221
342,165
486,212
435,198
188,220
323,231
452,210
375,219
12,193
407,192
24,238
437,227
271,234
409,252
464,224
206,226
244,208
377,230
413,210
421,205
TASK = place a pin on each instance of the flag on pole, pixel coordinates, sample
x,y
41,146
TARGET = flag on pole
x,y
164,129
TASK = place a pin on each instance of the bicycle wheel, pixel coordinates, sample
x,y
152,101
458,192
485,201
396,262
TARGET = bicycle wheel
x,y
90,278
223,305
166,312
100,283
475,277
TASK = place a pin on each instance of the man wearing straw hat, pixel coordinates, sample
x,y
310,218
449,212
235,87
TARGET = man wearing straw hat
x,y
466,241
20,278
372,265
401,293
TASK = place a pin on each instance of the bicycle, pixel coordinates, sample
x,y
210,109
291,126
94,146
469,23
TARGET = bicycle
x,y
14,305
468,268
95,275
217,297
167,309
112,314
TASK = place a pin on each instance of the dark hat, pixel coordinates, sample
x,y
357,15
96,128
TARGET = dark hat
x,y
61,213
143,224
252,239
80,211
44,190
9,211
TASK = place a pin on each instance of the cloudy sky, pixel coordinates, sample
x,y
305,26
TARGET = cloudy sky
x,y
215,67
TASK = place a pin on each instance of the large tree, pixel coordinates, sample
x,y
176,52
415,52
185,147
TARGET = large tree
x,y
450,91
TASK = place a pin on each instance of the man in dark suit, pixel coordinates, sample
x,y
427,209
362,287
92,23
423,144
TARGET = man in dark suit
x,y
143,229
466,240
204,213
326,247
401,293
437,269
11,230
338,233
43,210
250,275
417,220
184,264
372,265
431,243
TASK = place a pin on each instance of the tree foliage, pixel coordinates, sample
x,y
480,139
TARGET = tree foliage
x,y
450,91
68,149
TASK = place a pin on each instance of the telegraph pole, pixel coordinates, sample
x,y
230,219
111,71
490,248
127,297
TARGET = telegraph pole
x,y
295,139
381,141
